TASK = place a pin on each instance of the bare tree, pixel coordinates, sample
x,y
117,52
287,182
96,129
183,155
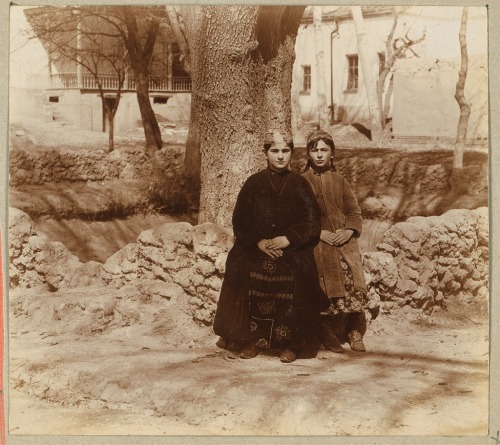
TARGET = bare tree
x,y
463,120
139,35
72,35
365,58
103,39
396,48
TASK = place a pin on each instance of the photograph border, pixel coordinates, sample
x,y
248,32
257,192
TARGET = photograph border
x,y
493,436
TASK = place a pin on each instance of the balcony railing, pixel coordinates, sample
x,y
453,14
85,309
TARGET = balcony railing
x,y
111,82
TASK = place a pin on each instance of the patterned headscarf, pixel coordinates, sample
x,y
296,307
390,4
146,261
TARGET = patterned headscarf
x,y
274,136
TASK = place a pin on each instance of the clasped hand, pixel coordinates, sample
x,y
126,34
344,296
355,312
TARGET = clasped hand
x,y
337,238
273,247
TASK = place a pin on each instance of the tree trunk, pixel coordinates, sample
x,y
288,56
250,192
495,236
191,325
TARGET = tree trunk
x,y
387,103
242,58
390,59
151,129
463,121
140,54
368,75
111,132
320,68
192,158
110,115
180,36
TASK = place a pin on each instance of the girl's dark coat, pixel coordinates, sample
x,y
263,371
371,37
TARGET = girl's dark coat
x,y
261,212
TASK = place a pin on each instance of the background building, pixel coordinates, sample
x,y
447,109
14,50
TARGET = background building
x,y
63,90
424,80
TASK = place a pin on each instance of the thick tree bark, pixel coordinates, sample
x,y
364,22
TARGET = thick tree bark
x,y
242,58
192,157
368,75
463,121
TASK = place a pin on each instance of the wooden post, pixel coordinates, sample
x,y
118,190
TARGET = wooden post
x,y
79,68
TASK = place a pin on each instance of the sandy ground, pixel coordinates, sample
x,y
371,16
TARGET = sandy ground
x,y
421,376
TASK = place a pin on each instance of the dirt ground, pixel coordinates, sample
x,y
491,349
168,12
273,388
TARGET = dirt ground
x,y
421,375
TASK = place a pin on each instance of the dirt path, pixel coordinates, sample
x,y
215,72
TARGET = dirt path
x,y
422,375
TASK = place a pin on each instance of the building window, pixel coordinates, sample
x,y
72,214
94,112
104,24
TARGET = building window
x,y
306,79
160,100
352,75
53,98
381,63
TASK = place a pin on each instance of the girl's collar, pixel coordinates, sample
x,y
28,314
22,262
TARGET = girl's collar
x,y
319,170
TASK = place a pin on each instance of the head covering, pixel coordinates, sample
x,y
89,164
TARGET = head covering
x,y
274,136
317,135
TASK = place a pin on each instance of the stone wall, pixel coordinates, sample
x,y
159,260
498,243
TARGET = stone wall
x,y
36,261
34,165
176,257
389,186
393,185
422,263
433,261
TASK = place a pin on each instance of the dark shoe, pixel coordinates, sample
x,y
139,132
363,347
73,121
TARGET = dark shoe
x,y
234,346
231,346
249,351
329,338
356,341
288,356
222,343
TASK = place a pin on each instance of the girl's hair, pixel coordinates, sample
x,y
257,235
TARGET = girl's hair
x,y
269,140
312,142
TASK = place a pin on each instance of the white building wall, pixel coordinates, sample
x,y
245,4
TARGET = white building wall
x,y
441,26
424,88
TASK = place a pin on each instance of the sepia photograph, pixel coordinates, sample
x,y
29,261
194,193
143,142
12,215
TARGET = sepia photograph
x,y
248,221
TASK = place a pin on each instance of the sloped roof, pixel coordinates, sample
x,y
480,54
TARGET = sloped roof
x,y
338,13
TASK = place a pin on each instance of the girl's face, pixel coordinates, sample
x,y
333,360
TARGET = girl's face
x,y
320,155
279,156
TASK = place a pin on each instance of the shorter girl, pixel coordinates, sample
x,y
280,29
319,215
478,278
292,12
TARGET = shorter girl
x,y
337,255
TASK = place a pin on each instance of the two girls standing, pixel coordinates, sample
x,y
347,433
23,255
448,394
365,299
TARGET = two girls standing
x,y
284,225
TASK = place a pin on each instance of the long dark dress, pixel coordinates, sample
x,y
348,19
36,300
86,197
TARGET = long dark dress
x,y
286,291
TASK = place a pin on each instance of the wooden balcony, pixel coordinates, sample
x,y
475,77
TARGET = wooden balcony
x,y
110,82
